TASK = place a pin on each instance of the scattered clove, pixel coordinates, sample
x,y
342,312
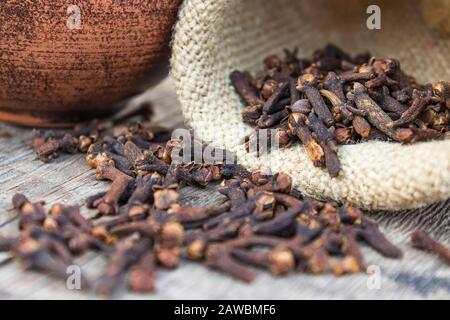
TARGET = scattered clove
x,y
264,223
109,203
422,241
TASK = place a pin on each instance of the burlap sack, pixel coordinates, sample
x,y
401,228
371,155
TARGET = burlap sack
x,y
212,38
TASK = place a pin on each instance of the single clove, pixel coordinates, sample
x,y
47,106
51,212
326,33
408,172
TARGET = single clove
x,y
422,241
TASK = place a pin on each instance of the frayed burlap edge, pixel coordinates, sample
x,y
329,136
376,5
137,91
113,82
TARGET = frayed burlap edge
x,y
214,37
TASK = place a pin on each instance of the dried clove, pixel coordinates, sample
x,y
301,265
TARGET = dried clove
x,y
308,84
126,254
30,214
137,204
245,88
422,241
313,149
419,102
271,105
361,126
142,275
369,232
366,107
109,203
218,256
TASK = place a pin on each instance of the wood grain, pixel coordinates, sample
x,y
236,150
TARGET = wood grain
x,y
416,276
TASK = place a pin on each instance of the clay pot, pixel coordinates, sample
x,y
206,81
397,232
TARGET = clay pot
x,y
64,61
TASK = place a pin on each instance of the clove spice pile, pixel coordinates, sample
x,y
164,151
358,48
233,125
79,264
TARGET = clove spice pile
x,y
335,98
142,226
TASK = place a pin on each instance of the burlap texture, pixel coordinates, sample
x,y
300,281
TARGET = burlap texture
x,y
212,38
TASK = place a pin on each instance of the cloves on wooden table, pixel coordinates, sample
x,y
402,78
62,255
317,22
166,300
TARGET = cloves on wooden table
x,y
335,98
142,226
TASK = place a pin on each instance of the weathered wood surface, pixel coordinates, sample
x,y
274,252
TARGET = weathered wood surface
x,y
416,276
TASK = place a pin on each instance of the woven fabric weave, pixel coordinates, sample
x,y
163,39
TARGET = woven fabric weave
x,y
212,38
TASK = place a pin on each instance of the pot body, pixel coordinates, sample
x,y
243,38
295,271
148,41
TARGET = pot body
x,y
64,61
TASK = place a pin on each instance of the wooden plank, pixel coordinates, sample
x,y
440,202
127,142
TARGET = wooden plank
x,y
417,275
